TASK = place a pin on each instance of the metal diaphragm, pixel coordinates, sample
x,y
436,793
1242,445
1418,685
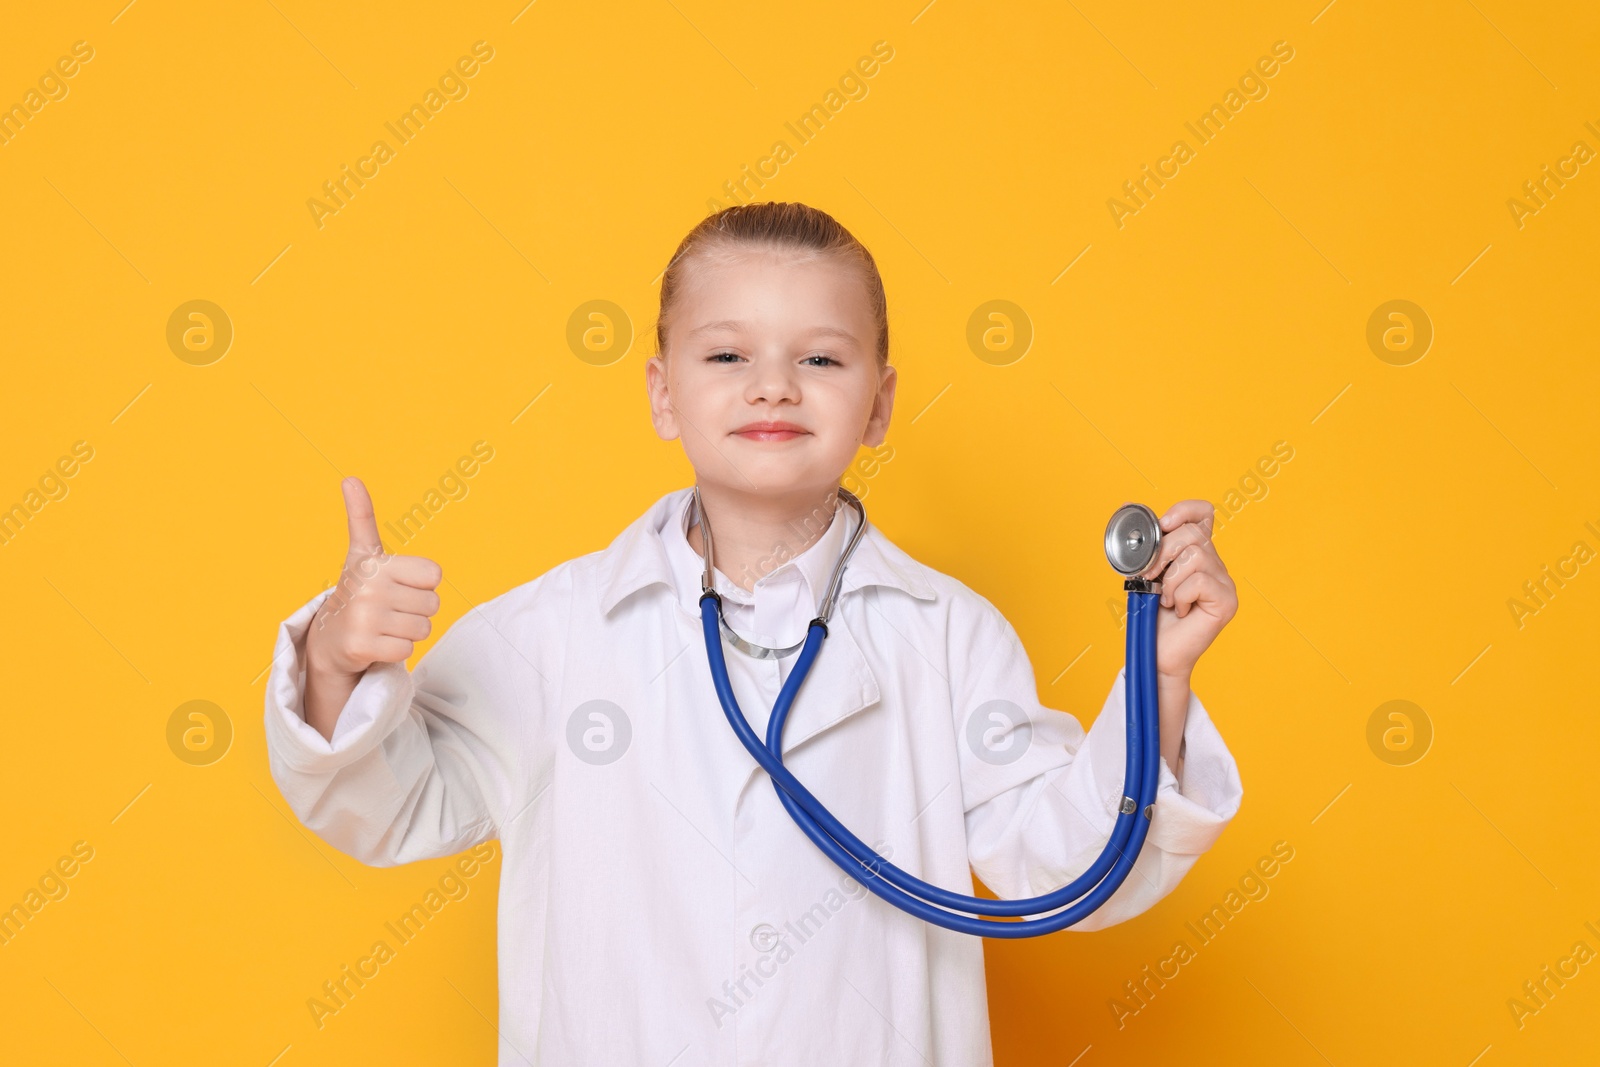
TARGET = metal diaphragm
x,y
1133,537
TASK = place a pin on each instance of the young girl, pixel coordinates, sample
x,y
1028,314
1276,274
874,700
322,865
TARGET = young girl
x,y
658,906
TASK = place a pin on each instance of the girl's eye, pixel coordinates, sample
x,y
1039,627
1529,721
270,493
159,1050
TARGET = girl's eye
x,y
717,357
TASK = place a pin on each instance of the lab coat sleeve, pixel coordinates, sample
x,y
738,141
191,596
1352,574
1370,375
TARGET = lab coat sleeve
x,y
420,764
1040,808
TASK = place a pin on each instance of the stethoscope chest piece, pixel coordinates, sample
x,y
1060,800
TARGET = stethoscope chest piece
x,y
1133,536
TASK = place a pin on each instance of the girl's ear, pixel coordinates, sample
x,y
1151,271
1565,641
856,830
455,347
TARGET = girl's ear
x,y
661,413
882,407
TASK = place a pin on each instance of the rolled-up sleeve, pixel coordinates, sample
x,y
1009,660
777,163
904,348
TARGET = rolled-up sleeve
x,y
421,764
1041,796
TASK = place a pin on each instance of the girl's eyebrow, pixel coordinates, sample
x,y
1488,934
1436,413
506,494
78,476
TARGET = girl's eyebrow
x,y
722,324
737,326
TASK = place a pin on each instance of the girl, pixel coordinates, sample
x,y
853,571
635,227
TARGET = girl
x,y
657,904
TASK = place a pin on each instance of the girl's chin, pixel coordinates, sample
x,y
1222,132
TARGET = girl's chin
x,y
772,480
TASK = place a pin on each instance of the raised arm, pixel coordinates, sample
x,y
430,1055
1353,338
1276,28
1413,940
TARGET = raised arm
x,y
387,765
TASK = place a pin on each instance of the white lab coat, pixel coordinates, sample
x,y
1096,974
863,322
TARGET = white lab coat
x,y
657,903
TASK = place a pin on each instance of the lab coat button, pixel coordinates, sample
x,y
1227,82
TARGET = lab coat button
x,y
764,936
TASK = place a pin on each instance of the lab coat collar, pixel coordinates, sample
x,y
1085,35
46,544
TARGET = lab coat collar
x,y
638,558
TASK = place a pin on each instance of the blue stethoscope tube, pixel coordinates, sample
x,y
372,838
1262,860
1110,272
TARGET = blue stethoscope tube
x,y
923,899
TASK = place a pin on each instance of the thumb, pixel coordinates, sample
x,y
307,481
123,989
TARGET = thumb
x,y
364,540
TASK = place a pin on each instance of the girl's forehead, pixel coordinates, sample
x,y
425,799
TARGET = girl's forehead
x,y
769,285
724,265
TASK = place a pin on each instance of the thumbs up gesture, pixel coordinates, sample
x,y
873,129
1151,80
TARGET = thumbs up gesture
x,y
381,607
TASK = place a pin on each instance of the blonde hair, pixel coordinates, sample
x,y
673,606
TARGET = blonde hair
x,y
790,227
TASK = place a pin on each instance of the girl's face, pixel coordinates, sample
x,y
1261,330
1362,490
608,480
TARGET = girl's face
x,y
761,337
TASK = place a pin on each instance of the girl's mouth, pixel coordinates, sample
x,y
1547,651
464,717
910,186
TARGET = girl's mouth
x,y
770,431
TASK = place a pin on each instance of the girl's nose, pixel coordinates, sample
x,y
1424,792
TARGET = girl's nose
x,y
773,379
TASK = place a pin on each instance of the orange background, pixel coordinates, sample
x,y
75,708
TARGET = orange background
x,y
1166,357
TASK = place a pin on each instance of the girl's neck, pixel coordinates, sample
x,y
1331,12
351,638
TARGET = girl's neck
x,y
755,534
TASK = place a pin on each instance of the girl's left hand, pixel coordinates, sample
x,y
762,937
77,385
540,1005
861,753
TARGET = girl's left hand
x,y
1197,596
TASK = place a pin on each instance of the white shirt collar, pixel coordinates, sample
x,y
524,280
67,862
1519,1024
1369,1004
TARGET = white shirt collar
x,y
640,556
814,566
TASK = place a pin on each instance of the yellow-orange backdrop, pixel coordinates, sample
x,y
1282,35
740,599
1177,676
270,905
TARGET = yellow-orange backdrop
x,y
1396,477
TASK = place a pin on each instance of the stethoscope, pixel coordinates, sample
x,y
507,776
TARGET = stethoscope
x,y
1132,539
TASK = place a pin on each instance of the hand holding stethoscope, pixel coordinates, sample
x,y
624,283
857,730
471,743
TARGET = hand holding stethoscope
x,y
1197,594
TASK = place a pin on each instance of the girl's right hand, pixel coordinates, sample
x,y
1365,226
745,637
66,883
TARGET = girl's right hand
x,y
381,606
